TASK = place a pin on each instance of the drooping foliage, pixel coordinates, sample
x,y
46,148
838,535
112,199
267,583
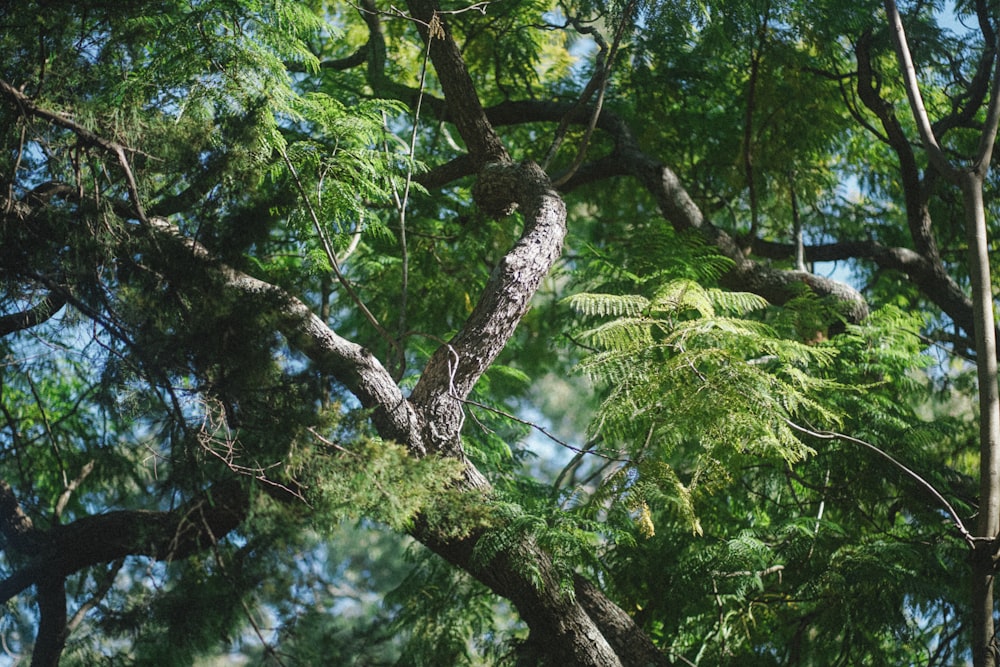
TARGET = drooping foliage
x,y
271,389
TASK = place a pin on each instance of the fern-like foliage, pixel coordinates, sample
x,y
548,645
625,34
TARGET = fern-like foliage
x,y
696,367
342,163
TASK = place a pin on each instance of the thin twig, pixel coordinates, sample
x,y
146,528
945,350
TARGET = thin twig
x,y
600,82
70,488
395,12
27,106
206,438
401,205
268,649
95,599
832,435
543,431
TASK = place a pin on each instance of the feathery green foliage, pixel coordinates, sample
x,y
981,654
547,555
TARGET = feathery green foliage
x,y
679,366
699,144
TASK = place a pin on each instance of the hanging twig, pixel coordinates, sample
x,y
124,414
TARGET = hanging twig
x,y
401,206
832,435
543,431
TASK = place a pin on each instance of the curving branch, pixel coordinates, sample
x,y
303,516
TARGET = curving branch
x,y
50,556
344,360
928,275
103,538
455,368
431,420
678,208
30,317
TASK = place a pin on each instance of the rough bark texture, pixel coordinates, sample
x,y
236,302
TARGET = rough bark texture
x,y
680,210
431,419
585,628
464,107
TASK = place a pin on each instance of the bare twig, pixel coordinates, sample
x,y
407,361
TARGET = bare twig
x,y
546,433
599,82
70,488
95,599
401,205
228,454
832,435
396,12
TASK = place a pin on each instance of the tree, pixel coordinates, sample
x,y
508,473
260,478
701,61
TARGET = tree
x,y
270,267
970,180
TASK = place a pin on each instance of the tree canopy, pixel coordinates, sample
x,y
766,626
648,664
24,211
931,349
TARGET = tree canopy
x,y
507,332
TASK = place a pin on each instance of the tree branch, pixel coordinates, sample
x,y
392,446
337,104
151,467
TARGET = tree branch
x,y
103,538
459,91
620,628
929,276
52,629
346,361
41,312
431,420
679,208
909,72
454,368
28,107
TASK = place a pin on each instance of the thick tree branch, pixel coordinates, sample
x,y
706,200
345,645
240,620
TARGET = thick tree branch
x,y
508,292
680,209
929,276
103,538
49,556
344,360
455,368
432,420
41,312
555,618
52,629
464,106
619,628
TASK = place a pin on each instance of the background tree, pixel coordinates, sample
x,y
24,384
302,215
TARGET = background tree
x,y
283,281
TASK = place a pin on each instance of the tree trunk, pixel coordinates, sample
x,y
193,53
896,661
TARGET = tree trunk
x,y
971,181
983,651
